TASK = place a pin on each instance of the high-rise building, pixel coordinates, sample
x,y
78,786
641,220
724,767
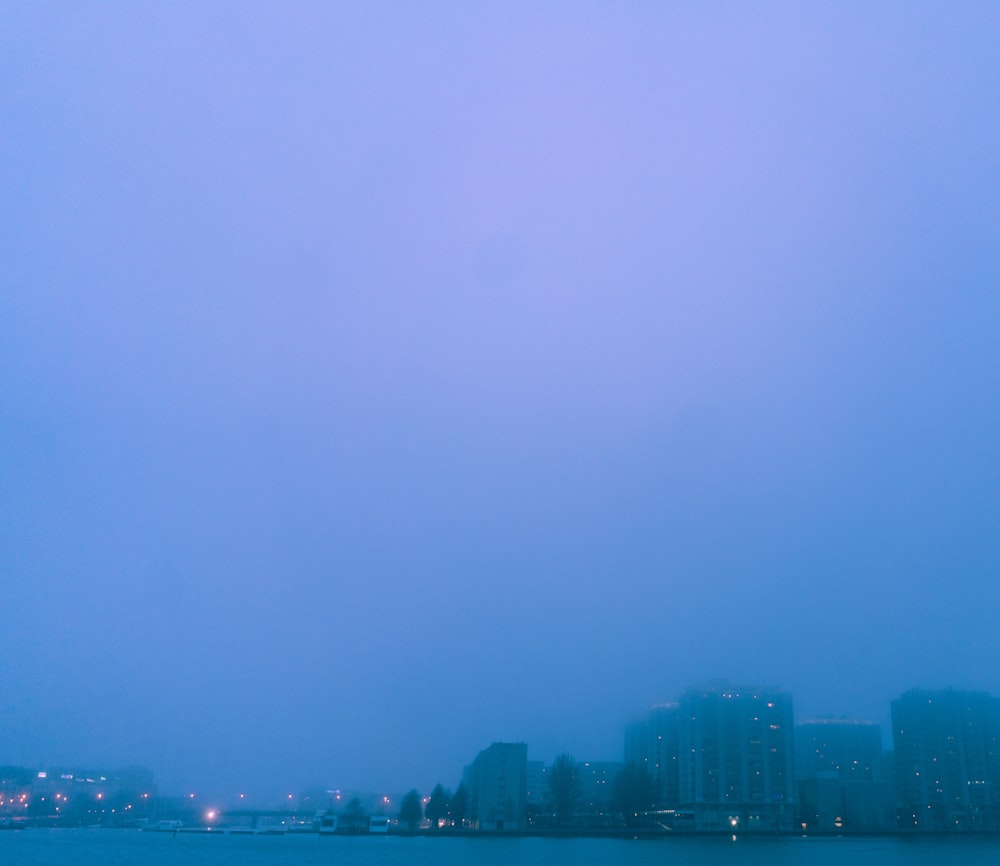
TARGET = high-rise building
x,y
497,786
736,758
947,758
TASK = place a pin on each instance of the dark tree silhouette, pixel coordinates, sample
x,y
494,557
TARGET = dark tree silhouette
x,y
354,819
411,811
634,793
564,783
437,806
459,805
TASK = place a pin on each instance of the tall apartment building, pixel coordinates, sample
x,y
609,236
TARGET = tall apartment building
x,y
947,758
736,758
497,784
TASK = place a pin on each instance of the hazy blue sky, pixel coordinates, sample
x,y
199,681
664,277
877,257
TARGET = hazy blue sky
x,y
379,380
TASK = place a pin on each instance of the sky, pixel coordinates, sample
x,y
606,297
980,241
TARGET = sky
x,y
382,380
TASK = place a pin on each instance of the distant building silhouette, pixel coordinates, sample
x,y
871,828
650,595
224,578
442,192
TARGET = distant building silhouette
x,y
61,796
844,748
841,786
721,758
947,746
497,786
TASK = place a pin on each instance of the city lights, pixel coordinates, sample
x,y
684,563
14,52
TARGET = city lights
x,y
842,762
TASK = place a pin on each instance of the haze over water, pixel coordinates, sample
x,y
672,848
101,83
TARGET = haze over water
x,y
380,381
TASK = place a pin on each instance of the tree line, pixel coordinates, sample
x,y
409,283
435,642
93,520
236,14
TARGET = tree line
x,y
633,798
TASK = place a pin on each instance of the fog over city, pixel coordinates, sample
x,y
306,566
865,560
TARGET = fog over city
x,y
379,381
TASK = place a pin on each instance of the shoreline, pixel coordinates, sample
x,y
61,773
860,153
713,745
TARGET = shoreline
x,y
606,833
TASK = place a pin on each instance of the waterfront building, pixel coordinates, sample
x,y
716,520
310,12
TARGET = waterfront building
x,y
840,777
497,784
828,803
736,758
947,758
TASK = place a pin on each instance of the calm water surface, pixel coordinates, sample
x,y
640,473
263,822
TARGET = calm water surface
x,y
36,847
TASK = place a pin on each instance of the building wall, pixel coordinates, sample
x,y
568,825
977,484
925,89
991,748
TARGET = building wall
x,y
736,758
839,764
497,785
537,789
829,803
849,750
947,758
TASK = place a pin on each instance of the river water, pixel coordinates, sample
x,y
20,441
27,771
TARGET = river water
x,y
38,847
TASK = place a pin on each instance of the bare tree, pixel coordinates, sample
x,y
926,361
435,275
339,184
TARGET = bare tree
x,y
635,791
564,783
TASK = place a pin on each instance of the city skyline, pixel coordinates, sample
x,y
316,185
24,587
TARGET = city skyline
x,y
275,793
721,758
